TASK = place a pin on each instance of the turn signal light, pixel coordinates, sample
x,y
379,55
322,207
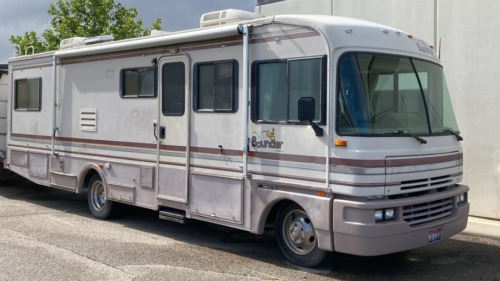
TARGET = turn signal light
x,y
340,143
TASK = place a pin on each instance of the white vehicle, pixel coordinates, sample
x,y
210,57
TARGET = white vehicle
x,y
339,131
4,81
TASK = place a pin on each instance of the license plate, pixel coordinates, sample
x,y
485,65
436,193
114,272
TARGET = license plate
x,y
434,235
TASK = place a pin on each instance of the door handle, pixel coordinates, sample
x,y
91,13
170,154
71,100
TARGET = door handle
x,y
162,132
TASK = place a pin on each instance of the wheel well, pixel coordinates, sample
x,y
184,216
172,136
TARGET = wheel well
x,y
87,178
271,216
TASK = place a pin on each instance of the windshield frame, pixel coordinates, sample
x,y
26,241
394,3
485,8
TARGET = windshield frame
x,y
423,92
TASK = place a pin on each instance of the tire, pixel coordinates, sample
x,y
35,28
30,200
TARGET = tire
x,y
100,207
297,237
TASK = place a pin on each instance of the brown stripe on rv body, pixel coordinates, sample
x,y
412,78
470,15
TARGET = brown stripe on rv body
x,y
363,163
286,176
118,55
26,67
107,142
423,160
76,155
363,185
216,151
213,168
26,136
287,157
355,163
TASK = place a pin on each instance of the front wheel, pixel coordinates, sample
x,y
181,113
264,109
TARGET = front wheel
x,y
98,205
296,236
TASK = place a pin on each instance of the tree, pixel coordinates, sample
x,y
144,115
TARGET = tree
x,y
85,18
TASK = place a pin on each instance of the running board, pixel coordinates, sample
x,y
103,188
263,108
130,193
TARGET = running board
x,y
173,215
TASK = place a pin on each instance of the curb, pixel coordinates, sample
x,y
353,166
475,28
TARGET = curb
x,y
482,227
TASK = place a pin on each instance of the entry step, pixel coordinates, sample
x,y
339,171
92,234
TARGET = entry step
x,y
173,215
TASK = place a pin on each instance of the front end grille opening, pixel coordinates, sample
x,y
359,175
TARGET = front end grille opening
x,y
419,193
427,212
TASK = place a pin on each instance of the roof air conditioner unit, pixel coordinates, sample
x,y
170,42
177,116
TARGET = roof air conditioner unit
x,y
226,17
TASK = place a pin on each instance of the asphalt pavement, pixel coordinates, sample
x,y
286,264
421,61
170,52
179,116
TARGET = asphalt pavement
x,y
49,234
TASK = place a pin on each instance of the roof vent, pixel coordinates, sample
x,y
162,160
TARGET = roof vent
x,y
226,16
83,41
155,32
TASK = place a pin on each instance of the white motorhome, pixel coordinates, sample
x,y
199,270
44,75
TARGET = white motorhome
x,y
339,131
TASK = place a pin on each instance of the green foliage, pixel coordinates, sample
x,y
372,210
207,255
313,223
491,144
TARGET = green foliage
x,y
85,18
28,39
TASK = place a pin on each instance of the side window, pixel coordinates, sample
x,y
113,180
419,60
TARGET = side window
x,y
138,82
278,85
173,89
27,94
216,86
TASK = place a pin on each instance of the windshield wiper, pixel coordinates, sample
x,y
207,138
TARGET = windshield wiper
x,y
450,131
400,132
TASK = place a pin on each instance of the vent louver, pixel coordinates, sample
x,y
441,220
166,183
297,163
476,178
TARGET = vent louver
x,y
88,119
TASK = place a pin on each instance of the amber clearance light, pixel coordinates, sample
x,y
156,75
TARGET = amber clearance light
x,y
340,142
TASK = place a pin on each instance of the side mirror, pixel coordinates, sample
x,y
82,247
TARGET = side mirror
x,y
306,107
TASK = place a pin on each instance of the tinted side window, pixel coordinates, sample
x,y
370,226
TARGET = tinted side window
x,y
173,89
27,94
278,85
216,86
138,82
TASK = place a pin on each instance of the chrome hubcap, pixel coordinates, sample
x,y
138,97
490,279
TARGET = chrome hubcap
x,y
299,232
97,195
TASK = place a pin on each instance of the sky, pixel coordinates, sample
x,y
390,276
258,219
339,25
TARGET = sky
x,y
19,16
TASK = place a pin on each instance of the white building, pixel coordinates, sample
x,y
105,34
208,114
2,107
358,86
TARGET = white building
x,y
463,32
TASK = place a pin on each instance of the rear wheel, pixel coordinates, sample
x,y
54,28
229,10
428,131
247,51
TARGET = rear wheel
x,y
98,205
297,237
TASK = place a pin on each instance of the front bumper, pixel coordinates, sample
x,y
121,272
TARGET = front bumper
x,y
356,232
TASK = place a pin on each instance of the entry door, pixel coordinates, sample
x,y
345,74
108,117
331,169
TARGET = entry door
x,y
173,128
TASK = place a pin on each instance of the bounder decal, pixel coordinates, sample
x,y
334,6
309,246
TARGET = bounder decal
x,y
260,142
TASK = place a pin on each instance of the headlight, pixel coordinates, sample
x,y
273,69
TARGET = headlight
x,y
461,198
384,214
389,214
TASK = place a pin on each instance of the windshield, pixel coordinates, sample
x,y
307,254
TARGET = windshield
x,y
380,94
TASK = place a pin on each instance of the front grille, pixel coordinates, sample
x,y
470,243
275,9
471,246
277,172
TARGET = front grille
x,y
436,182
427,212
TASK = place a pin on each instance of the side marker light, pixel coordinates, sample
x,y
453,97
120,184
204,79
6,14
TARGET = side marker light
x,y
340,143
321,193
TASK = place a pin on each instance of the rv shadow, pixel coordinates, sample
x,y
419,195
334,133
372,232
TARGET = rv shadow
x,y
456,258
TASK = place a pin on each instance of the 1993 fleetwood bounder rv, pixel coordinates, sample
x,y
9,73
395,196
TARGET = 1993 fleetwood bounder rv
x,y
339,131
